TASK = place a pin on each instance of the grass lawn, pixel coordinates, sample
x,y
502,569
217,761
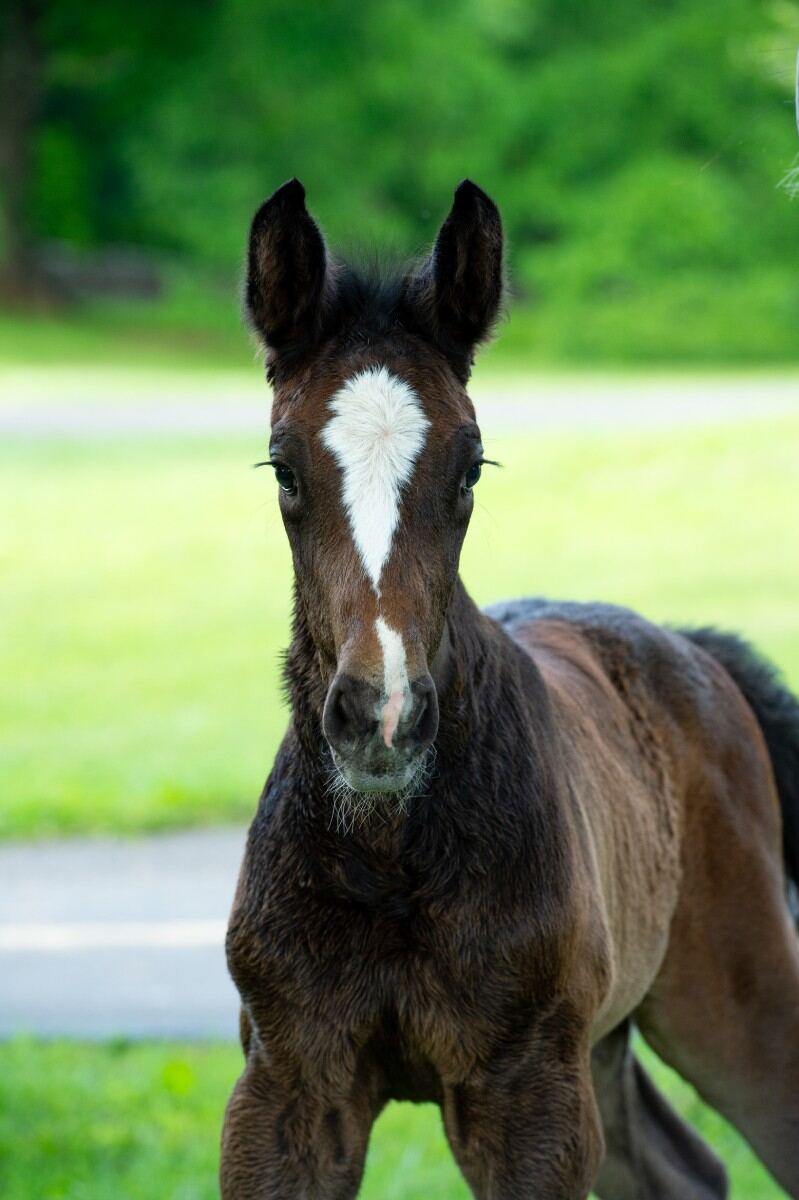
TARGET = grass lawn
x,y
740,320
195,323
141,1122
146,593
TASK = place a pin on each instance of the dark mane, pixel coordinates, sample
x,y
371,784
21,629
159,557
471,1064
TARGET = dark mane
x,y
376,297
370,297
368,282
380,296
367,300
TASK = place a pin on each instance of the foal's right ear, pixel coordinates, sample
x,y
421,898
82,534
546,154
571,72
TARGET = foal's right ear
x,y
286,272
456,295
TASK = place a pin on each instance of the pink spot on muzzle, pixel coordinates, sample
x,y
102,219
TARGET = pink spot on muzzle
x,y
391,715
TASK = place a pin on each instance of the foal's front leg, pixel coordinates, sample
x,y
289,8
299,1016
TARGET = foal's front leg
x,y
292,1143
530,1134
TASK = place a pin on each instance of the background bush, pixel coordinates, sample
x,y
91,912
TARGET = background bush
x,y
636,148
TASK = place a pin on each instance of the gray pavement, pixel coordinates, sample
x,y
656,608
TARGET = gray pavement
x,y
89,402
106,937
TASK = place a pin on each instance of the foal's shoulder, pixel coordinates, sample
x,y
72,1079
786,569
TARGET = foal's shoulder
x,y
689,676
512,613
621,642
611,623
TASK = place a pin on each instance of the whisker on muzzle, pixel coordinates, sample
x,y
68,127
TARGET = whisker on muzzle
x,y
351,809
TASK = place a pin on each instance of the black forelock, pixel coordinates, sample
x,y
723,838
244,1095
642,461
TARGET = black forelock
x,y
370,294
369,299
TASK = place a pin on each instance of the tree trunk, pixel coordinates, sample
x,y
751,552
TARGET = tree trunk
x,y
20,93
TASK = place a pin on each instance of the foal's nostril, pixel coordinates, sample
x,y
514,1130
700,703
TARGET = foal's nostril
x,y
419,715
422,726
349,714
354,721
336,718
427,725
342,709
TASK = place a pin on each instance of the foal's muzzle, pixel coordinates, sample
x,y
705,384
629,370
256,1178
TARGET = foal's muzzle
x,y
371,754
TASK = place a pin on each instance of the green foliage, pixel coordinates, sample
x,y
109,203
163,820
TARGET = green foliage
x,y
104,68
142,1122
146,591
636,150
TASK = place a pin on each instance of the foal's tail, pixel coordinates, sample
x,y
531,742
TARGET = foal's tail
x,y
777,711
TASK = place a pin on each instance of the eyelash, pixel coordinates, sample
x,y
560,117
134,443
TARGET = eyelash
x,y
289,488
479,463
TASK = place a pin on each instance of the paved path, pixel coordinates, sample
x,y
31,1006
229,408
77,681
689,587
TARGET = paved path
x,y
103,938
85,402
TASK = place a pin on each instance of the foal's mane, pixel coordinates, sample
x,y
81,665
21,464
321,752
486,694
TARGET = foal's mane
x,y
366,301
370,290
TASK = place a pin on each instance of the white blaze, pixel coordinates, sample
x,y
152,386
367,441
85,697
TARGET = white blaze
x,y
396,689
376,434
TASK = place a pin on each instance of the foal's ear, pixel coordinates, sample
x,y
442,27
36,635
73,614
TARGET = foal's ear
x,y
286,272
457,293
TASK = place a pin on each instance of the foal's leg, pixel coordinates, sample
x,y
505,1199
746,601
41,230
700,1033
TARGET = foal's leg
x,y
283,1142
650,1152
724,1010
529,1131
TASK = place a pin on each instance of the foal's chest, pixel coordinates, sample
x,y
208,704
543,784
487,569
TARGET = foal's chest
x,y
415,989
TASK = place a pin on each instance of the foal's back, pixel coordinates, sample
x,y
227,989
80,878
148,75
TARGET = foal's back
x,y
666,768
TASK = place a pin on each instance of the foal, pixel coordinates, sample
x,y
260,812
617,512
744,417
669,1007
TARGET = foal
x,y
490,841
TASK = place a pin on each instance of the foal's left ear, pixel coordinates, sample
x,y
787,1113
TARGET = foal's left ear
x,y
457,293
286,272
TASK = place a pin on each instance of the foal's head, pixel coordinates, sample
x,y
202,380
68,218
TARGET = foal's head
x,y
375,450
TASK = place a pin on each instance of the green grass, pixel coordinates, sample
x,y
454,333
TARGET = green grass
x,y
146,594
204,329
745,321
196,322
141,1122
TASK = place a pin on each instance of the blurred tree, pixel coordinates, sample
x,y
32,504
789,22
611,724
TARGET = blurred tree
x,y
73,78
635,148
381,107
20,93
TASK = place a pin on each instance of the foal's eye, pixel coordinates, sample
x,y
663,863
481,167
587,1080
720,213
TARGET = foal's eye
x,y
286,479
472,475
